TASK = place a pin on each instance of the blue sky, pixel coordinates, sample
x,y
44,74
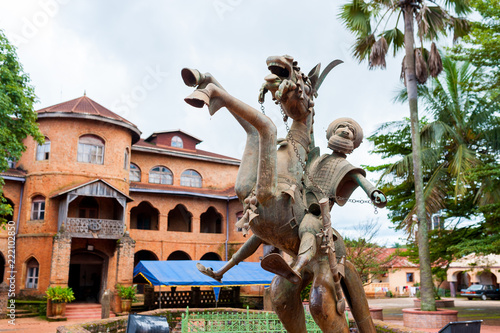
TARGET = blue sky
x,y
127,56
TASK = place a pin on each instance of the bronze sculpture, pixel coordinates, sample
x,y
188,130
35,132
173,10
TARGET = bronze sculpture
x,y
284,205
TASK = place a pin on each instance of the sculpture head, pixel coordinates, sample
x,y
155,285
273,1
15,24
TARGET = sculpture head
x,y
344,135
289,87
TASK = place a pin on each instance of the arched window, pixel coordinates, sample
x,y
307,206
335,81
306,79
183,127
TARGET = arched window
x,y
211,256
211,221
32,271
179,219
38,208
43,150
144,255
177,142
135,173
144,217
179,255
161,175
91,149
125,159
190,178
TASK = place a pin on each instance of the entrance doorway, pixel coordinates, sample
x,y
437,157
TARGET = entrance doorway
x,y
87,276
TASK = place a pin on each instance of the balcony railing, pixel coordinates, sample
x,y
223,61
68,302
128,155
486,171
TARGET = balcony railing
x,y
94,228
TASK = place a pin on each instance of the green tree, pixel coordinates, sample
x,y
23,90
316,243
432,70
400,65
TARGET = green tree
x,y
366,255
464,135
482,46
17,116
461,172
364,18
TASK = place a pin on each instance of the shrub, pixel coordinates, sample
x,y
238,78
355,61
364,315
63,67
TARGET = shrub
x,y
127,292
60,294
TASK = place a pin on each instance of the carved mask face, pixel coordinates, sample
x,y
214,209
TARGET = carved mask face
x,y
344,135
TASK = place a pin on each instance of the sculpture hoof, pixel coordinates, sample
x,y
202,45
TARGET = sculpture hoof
x,y
275,263
208,272
198,98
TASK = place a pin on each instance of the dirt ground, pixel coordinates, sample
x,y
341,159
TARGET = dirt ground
x,y
488,311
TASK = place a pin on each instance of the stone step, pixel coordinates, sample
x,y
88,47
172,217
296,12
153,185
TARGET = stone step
x,y
84,311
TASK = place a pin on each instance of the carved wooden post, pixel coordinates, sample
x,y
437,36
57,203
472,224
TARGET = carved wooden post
x,y
125,265
4,299
195,297
61,256
105,304
149,297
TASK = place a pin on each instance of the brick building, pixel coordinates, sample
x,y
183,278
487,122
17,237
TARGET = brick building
x,y
95,199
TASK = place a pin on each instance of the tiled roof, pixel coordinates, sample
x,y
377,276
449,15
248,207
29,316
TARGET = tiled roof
x,y
73,187
84,105
14,173
396,261
195,152
227,193
174,131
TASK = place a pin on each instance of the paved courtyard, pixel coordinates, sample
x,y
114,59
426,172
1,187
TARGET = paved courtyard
x,y
488,311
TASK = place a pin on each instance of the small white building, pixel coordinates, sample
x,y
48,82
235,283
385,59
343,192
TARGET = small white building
x,y
473,269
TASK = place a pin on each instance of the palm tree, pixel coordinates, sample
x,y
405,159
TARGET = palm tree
x,y
432,21
463,136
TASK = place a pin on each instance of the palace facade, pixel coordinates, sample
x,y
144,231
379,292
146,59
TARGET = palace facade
x,y
95,198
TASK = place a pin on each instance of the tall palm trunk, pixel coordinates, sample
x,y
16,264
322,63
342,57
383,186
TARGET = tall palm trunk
x,y
428,302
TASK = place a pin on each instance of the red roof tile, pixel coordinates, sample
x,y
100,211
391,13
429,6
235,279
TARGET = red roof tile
x,y
199,152
14,173
397,260
84,105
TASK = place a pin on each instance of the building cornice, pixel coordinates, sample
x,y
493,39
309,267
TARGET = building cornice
x,y
198,157
17,179
183,193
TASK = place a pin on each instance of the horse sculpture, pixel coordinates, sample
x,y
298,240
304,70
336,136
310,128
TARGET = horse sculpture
x,y
281,205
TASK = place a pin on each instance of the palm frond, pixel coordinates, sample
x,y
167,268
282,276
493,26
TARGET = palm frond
x,y
461,7
434,61
420,67
363,46
461,27
464,159
402,76
356,17
431,21
378,52
396,38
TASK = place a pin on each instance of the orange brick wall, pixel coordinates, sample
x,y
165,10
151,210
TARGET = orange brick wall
x,y
62,172
210,172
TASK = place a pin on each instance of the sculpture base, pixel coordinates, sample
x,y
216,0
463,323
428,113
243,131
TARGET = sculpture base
x,y
415,318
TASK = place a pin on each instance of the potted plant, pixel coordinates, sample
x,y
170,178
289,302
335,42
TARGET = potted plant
x,y
127,296
58,297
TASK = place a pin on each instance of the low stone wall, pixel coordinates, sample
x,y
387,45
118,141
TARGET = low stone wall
x,y
119,324
428,319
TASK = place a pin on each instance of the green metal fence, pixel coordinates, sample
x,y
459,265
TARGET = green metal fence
x,y
242,322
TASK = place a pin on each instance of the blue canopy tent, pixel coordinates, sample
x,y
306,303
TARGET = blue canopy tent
x,y
176,273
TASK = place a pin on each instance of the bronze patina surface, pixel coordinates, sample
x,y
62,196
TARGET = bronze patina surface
x,y
287,201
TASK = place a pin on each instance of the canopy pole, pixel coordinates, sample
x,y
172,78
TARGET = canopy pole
x,y
159,298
